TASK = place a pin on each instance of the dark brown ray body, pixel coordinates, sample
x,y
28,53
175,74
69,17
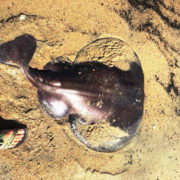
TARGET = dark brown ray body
x,y
90,92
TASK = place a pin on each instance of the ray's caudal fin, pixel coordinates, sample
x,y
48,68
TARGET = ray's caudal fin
x,y
18,51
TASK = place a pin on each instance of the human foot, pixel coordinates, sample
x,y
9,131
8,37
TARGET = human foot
x,y
10,138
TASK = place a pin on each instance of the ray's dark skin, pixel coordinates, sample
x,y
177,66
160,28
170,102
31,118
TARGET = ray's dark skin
x,y
91,91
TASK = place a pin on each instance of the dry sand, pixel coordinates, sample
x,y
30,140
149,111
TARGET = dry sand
x,y
62,28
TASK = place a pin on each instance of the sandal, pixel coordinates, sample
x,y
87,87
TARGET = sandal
x,y
11,138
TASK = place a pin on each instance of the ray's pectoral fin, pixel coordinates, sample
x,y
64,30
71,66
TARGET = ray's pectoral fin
x,y
18,51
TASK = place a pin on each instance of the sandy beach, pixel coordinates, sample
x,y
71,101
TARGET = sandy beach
x,y
62,28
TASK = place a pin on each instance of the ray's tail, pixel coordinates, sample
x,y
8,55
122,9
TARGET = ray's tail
x,y
19,52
